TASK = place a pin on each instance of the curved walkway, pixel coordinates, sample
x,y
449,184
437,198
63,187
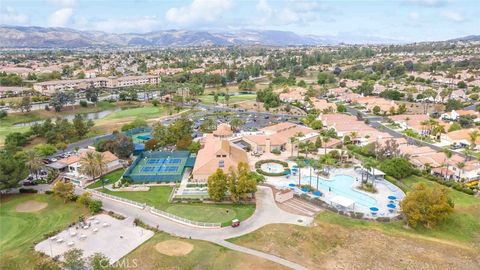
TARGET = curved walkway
x,y
266,212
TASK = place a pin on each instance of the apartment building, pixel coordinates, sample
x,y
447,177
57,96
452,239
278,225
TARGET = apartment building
x,y
50,87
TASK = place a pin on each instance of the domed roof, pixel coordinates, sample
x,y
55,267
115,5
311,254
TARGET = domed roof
x,y
223,130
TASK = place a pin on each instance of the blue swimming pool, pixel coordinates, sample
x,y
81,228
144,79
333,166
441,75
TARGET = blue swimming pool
x,y
341,185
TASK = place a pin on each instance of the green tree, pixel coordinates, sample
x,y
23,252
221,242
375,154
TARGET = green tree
x,y
426,206
95,206
34,162
63,190
12,169
73,260
376,110
217,185
98,261
85,198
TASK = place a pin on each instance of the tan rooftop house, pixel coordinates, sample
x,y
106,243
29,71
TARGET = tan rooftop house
x,y
223,131
278,137
293,94
371,102
216,153
461,136
412,121
323,105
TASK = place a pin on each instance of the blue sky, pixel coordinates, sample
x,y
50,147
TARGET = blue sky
x,y
404,20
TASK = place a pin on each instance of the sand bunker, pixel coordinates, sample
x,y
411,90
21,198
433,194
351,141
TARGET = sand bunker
x,y
174,248
30,206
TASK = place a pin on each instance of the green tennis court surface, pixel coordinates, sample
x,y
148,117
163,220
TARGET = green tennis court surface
x,y
160,166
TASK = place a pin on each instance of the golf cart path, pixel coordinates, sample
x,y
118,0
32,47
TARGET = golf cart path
x,y
266,212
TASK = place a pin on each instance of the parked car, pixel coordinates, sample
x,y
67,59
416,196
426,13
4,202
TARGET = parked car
x,y
30,183
235,223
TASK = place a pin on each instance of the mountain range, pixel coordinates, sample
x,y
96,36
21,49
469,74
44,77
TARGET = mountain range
x,y
42,37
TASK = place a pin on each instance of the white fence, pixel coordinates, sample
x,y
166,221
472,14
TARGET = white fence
x,y
158,212
115,198
184,220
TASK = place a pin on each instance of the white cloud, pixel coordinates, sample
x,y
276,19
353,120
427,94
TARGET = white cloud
x,y
9,15
429,3
60,17
453,16
63,3
264,8
198,11
299,12
414,16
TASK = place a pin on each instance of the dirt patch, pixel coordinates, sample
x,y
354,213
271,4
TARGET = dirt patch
x,y
30,206
174,248
327,246
258,107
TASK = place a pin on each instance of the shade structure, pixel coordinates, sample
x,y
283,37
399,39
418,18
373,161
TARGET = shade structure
x,y
342,201
374,209
392,198
317,193
304,189
291,185
391,206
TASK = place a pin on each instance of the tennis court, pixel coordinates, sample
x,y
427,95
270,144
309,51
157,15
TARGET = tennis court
x,y
160,166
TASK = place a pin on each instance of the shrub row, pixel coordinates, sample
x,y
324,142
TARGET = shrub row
x,y
27,190
453,184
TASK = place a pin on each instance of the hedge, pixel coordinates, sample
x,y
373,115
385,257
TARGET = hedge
x,y
27,190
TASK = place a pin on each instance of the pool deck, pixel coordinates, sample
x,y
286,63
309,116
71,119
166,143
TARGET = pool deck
x,y
384,189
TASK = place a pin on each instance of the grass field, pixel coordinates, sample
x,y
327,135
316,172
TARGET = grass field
x,y
208,99
19,231
158,197
109,178
144,112
204,255
451,245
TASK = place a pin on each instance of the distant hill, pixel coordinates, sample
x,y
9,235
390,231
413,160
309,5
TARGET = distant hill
x,y
41,37
467,38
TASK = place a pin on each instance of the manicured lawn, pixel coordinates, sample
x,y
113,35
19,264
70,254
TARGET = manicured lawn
x,y
108,178
208,99
204,255
19,231
158,197
144,112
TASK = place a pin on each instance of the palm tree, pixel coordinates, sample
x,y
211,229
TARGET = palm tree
x,y
354,136
317,165
448,154
293,140
93,165
325,141
460,166
473,136
34,162
300,164
368,165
